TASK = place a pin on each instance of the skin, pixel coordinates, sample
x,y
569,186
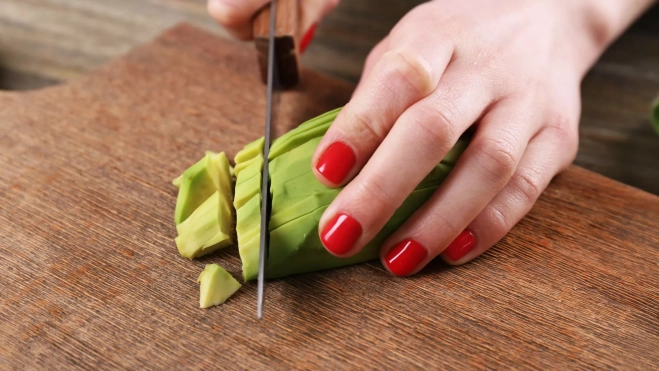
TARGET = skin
x,y
511,69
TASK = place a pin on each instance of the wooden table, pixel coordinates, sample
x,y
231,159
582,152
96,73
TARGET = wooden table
x,y
43,42
91,279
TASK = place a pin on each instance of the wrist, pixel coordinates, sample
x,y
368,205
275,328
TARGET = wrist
x,y
602,22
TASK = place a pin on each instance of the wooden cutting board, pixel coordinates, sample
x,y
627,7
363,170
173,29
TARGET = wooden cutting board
x,y
91,278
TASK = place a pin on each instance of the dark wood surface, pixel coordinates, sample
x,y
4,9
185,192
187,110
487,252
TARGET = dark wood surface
x,y
91,278
45,42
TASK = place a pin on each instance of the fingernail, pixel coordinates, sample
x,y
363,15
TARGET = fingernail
x,y
460,246
405,257
336,162
306,39
341,234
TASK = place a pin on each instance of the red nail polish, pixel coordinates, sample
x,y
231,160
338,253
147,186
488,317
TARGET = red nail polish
x,y
460,246
306,39
341,233
336,162
405,257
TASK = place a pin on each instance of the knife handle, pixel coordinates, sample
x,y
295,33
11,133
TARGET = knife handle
x,y
287,46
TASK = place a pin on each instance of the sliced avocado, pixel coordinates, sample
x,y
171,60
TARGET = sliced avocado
x,y
247,202
208,228
200,181
295,247
313,128
216,285
250,151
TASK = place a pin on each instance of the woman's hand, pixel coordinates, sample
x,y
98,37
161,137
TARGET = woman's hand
x,y
513,68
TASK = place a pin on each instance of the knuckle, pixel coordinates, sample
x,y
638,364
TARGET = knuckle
x,y
227,16
498,223
436,126
366,130
498,155
527,184
373,191
409,67
566,134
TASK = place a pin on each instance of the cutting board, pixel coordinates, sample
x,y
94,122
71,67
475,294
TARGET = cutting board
x,y
91,278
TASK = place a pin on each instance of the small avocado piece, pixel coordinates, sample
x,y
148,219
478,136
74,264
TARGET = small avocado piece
x,y
216,285
251,150
177,182
210,174
208,228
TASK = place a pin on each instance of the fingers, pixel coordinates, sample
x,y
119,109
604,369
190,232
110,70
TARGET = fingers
x,y
313,11
483,170
418,141
373,57
236,15
401,77
549,153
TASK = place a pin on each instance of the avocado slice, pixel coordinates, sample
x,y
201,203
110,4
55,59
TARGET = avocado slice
x,y
208,228
247,202
210,174
216,285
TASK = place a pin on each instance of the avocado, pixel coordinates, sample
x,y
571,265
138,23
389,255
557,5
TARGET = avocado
x,y
247,202
216,285
208,228
210,174
299,200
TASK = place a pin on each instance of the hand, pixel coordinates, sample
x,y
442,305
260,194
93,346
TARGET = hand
x,y
513,69
236,16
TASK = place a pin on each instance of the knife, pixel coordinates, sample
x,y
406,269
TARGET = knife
x,y
279,65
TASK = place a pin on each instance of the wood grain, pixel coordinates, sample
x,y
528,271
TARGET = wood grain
x,y
44,42
91,279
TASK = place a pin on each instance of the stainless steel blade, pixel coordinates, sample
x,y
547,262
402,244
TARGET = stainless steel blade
x,y
265,181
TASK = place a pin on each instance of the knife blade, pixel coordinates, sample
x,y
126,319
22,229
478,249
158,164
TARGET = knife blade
x,y
265,174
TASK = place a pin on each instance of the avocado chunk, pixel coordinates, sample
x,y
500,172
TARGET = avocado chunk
x,y
208,228
216,285
209,175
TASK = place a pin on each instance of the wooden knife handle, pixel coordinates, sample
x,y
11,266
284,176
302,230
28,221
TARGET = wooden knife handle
x,y
287,35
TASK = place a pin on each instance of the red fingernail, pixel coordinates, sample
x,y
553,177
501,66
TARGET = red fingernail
x,y
460,246
405,257
336,162
306,39
341,233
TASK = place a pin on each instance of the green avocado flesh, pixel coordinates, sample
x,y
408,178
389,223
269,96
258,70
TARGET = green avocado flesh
x,y
205,204
208,227
216,285
249,164
299,200
211,174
